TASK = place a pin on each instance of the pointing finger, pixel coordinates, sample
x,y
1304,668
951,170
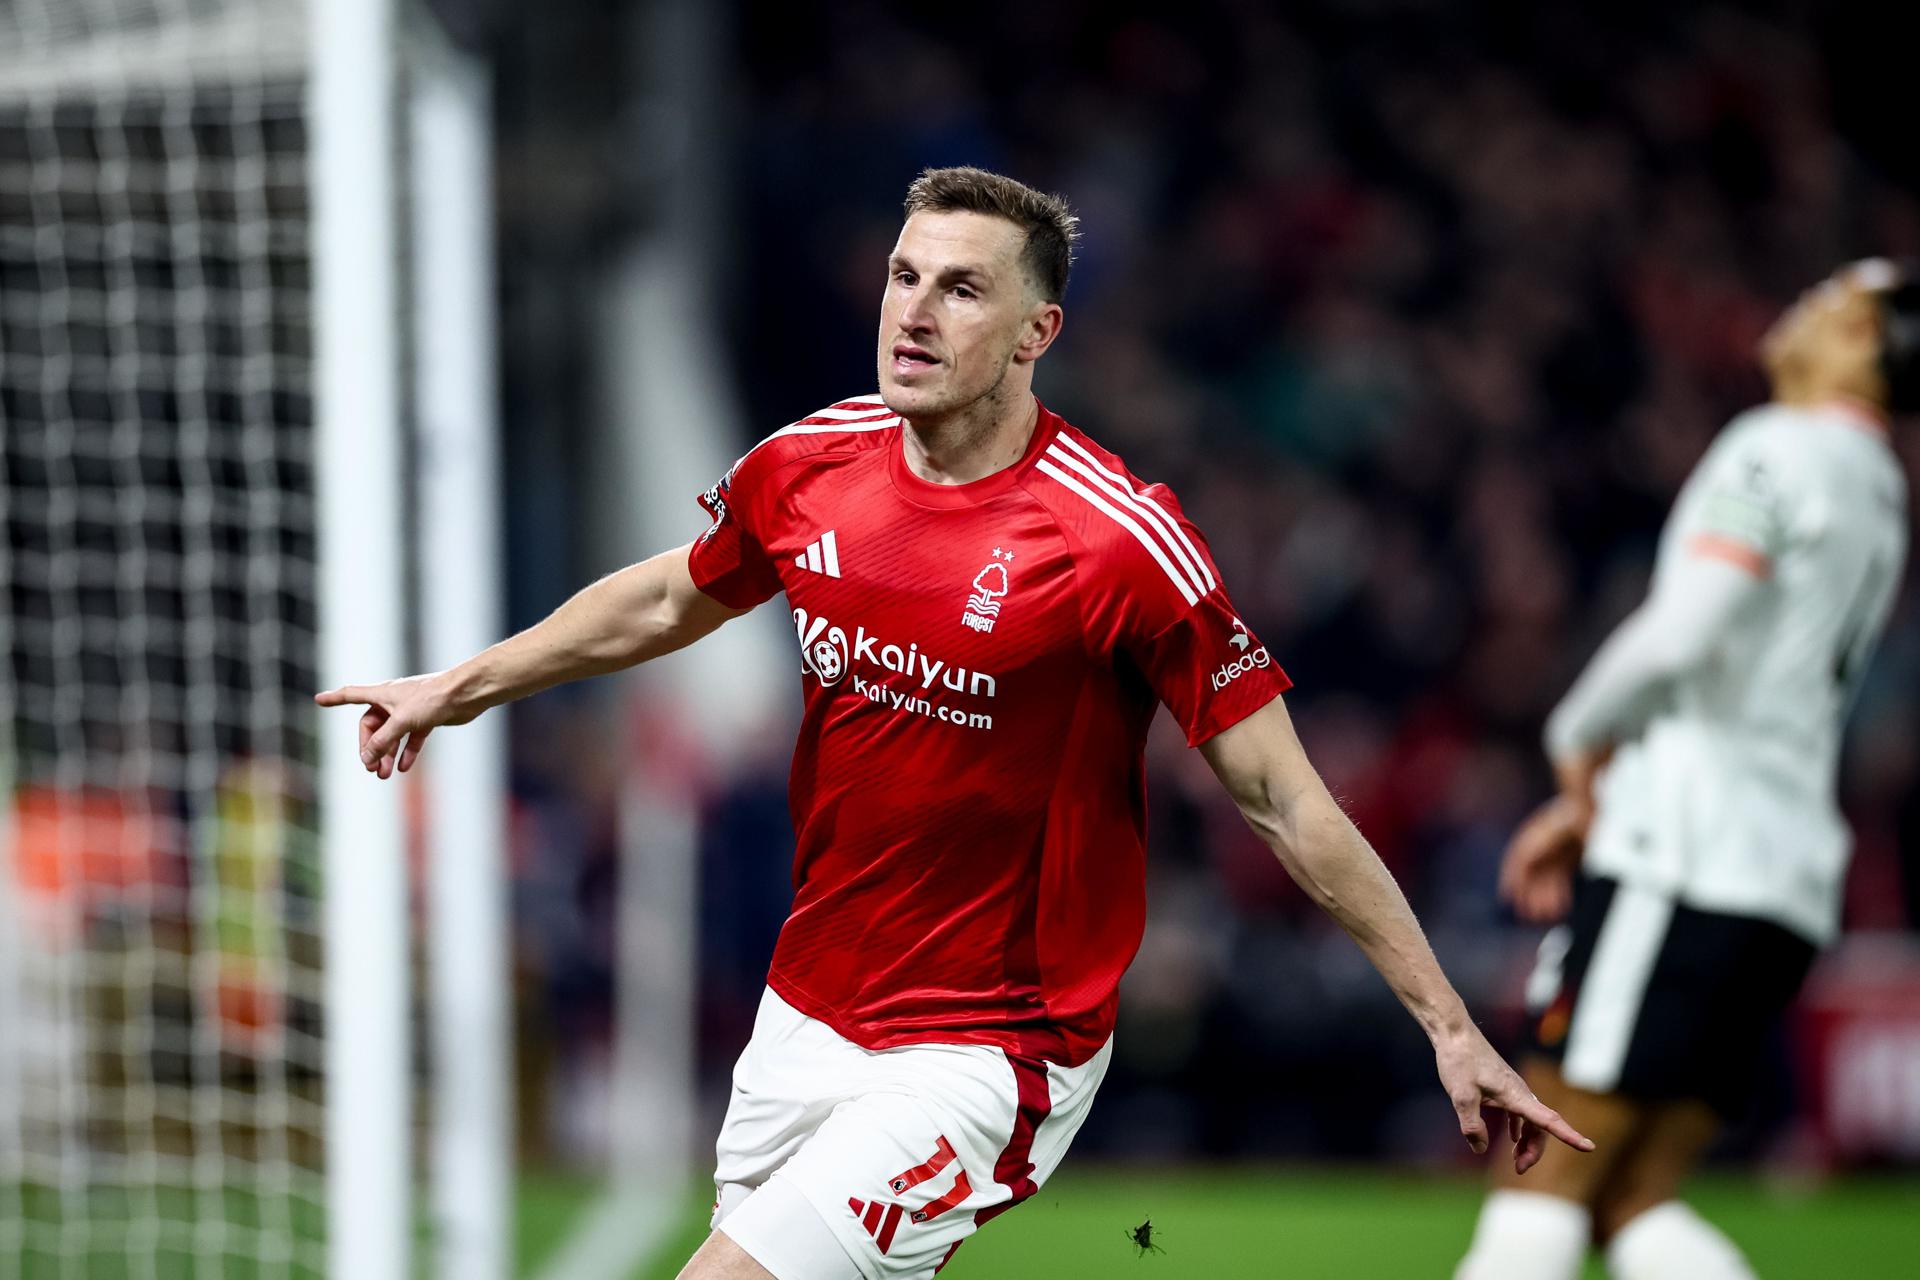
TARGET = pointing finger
x,y
1539,1113
345,694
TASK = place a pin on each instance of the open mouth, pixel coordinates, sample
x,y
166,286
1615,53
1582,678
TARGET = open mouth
x,y
908,358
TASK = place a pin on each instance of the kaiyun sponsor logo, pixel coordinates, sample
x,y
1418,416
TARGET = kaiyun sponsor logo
x,y
828,652
880,693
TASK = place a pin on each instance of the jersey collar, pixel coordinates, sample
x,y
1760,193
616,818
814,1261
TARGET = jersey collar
x,y
947,497
1860,415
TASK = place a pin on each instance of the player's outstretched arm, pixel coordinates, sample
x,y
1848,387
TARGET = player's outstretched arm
x,y
640,612
1680,627
1263,767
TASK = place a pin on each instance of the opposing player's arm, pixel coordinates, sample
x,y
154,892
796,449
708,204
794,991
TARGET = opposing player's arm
x,y
1265,770
625,618
1735,516
1734,519
1676,631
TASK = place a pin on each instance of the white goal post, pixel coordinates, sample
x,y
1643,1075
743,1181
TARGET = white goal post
x,y
358,456
463,598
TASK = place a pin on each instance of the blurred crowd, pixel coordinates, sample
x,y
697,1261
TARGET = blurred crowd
x,y
1425,315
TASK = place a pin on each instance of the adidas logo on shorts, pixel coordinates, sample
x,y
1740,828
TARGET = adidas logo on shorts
x,y
881,1220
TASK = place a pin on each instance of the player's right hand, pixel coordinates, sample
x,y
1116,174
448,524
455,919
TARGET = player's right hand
x,y
1536,876
399,716
1475,1076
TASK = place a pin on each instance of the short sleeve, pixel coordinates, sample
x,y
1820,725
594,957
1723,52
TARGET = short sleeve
x,y
1208,667
728,561
1741,512
1150,593
1158,599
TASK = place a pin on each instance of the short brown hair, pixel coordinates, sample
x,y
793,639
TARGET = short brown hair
x,y
1050,226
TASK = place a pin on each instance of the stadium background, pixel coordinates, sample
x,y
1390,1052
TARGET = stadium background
x,y
1425,310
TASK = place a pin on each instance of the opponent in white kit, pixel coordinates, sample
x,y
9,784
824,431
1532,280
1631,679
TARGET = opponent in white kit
x,y
1698,756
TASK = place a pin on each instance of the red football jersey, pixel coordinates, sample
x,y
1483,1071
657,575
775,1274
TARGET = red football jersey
x,y
981,662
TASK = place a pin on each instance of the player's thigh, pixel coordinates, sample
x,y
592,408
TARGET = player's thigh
x,y
896,1184
1676,1135
721,1259
789,1078
903,1175
1614,1123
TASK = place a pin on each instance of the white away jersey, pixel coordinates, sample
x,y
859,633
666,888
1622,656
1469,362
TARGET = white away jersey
x,y
1729,797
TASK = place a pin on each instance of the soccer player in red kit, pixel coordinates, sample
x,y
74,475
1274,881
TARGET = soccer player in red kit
x,y
988,607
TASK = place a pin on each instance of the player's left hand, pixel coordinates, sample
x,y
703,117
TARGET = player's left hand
x,y
1475,1076
1577,775
1536,873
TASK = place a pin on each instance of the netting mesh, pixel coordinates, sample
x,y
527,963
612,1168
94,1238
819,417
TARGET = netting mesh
x,y
159,957
54,23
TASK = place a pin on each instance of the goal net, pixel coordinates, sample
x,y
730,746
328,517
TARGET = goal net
x,y
159,988
172,1070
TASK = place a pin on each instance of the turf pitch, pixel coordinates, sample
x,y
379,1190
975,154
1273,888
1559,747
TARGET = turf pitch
x,y
1257,1224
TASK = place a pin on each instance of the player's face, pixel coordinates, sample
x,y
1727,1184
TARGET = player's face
x,y
957,313
1832,333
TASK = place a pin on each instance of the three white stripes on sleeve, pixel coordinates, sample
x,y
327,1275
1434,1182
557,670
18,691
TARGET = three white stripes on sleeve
x,y
1160,533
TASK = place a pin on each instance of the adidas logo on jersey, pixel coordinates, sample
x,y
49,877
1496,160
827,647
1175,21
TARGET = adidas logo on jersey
x,y
821,556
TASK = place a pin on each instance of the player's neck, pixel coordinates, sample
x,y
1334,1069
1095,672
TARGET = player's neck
x,y
989,435
1810,393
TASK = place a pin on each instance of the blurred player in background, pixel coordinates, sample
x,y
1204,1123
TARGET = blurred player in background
x,y
988,607
1695,851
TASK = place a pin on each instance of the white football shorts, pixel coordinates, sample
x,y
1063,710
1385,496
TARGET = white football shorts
x,y
837,1161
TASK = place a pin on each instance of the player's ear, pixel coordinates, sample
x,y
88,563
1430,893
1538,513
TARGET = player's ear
x,y
1042,326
